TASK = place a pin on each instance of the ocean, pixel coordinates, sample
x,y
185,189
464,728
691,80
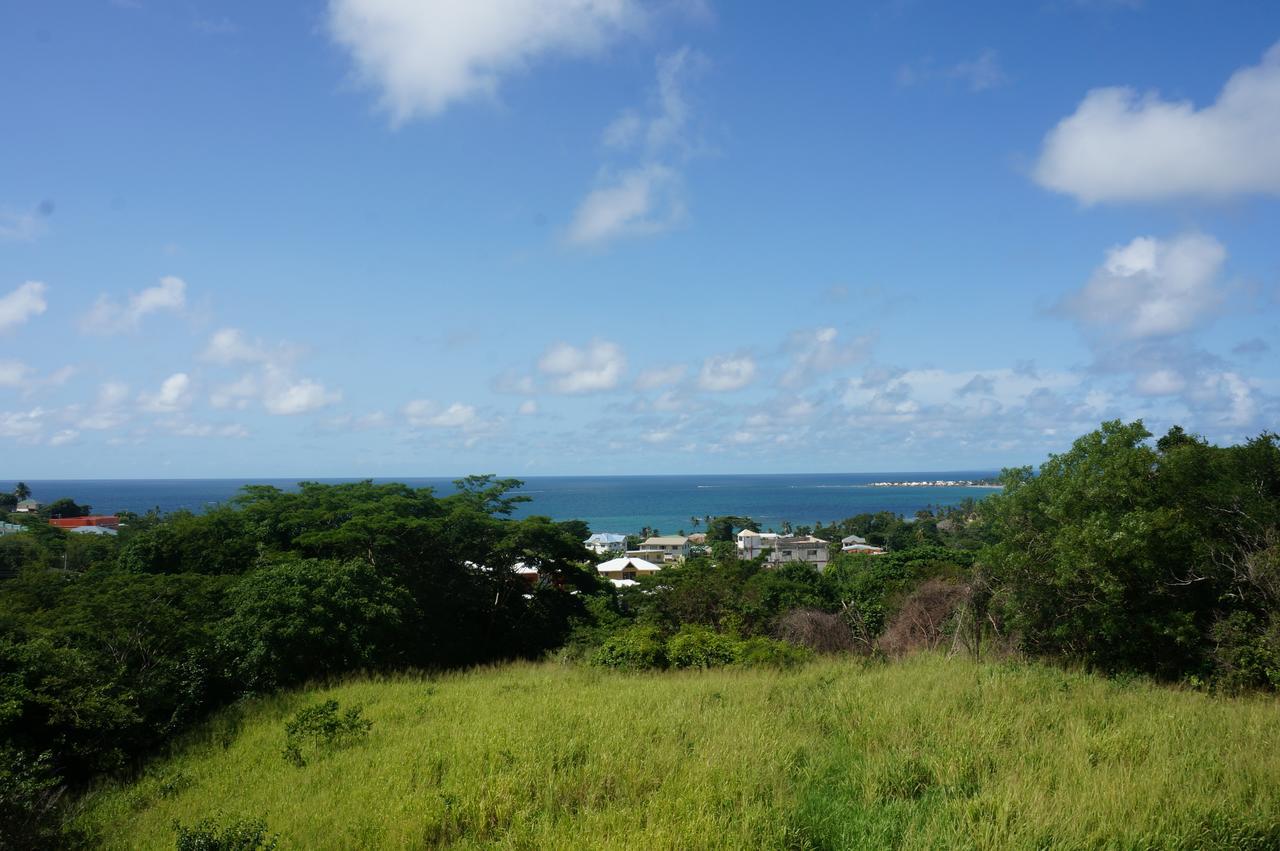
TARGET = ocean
x,y
608,503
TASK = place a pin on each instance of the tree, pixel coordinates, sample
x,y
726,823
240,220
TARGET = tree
x,y
1091,558
724,527
305,618
22,491
65,507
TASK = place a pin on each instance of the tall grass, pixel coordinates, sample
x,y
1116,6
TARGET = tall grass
x,y
929,753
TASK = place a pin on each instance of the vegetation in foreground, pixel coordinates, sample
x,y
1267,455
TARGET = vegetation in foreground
x,y
927,753
1124,556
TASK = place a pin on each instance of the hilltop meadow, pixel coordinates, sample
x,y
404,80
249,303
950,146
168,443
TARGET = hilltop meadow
x,y
1088,658
926,753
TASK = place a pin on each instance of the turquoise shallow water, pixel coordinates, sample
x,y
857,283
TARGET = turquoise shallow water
x,y
607,503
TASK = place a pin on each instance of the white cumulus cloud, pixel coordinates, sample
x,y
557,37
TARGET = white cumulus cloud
x,y
284,397
1120,145
595,367
174,395
425,55
270,379
1151,288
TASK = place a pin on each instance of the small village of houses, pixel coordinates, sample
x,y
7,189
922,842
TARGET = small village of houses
x,y
629,565
93,524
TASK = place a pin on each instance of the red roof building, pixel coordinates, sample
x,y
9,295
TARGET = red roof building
x,y
108,521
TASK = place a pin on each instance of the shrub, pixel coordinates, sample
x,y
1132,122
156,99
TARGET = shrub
x,y
29,795
323,729
1246,653
761,652
633,648
700,647
240,835
924,620
819,631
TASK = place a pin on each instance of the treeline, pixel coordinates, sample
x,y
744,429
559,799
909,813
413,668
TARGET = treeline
x,y
1122,554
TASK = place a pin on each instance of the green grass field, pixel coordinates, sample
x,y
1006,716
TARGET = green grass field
x,y
928,753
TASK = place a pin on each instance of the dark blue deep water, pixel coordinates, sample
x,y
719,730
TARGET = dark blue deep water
x,y
609,503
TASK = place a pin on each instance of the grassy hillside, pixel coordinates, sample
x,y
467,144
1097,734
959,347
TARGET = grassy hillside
x,y
927,753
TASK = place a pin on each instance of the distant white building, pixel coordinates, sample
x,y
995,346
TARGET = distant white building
x,y
781,549
606,542
855,544
27,506
93,530
664,548
623,572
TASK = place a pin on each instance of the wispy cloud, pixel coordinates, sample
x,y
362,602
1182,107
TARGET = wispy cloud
x,y
979,74
111,317
25,225
22,304
645,196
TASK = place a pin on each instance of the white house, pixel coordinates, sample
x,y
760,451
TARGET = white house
x,y
606,542
665,548
855,544
27,506
623,572
783,548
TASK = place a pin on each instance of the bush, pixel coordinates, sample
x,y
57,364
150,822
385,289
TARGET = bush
x,y
1246,652
29,795
240,835
821,632
323,729
760,652
701,647
925,620
633,648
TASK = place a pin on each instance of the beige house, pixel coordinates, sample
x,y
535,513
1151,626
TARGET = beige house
x,y
665,548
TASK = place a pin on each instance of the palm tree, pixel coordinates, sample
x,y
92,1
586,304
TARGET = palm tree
x,y
22,491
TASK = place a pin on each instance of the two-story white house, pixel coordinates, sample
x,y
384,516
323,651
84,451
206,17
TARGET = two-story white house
x,y
606,542
783,548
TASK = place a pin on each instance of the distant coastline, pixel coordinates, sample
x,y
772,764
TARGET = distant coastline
x,y
939,483
606,503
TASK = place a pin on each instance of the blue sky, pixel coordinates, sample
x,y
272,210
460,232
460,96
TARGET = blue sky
x,y
388,237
